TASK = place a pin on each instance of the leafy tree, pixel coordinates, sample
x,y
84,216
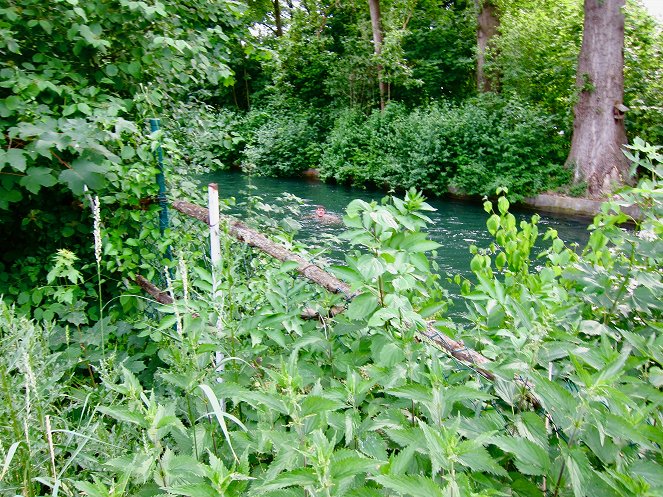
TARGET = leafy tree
x,y
536,52
439,48
643,73
78,78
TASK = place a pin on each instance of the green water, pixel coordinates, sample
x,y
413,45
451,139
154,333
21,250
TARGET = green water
x,y
456,224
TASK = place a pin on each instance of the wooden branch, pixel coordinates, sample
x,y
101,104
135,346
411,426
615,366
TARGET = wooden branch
x,y
309,313
456,349
159,295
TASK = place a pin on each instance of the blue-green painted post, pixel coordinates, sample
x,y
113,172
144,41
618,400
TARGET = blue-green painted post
x,y
155,125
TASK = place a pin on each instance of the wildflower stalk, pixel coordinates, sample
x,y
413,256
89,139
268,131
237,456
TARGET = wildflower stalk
x,y
96,213
49,436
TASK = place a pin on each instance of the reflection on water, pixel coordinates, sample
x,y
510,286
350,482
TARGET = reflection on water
x,y
456,224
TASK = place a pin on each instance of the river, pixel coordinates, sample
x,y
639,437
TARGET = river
x,y
456,224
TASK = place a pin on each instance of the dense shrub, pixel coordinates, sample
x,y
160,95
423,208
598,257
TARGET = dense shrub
x,y
477,146
281,142
207,137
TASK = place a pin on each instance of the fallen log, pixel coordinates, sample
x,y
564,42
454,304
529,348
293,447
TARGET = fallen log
x,y
159,295
163,297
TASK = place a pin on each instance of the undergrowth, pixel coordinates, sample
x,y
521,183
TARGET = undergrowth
x,y
230,391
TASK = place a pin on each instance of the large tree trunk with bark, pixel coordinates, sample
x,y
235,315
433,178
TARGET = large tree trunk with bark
x,y
374,7
598,127
277,18
487,24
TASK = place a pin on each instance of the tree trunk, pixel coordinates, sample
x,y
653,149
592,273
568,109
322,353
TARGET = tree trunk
x,y
277,18
374,7
487,25
598,127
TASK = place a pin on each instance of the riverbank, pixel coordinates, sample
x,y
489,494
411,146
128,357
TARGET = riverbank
x,y
553,203
573,206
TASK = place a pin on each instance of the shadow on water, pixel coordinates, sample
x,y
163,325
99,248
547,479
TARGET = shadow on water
x,y
456,224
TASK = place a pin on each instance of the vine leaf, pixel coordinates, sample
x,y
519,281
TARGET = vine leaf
x,y
36,178
83,172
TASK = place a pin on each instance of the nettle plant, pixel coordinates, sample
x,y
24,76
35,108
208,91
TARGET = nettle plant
x,y
251,399
582,333
243,396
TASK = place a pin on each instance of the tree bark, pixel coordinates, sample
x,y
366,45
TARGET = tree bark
x,y
374,7
277,18
487,24
598,127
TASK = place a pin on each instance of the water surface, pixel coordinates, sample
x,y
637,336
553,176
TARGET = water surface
x,y
456,224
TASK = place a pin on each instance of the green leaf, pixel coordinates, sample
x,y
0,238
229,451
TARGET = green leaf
x,y
503,205
8,459
477,458
221,415
362,307
558,402
300,477
194,490
12,102
579,470
390,355
418,242
530,459
84,172
371,267
383,218
122,413
493,224
133,68
344,465
180,465
36,178
96,489
314,404
16,159
416,392
84,108
289,266
415,485
346,274
532,427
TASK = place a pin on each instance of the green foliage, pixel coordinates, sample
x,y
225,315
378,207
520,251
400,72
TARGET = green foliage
x,y
78,78
70,71
581,331
439,47
643,62
245,397
475,147
284,142
207,138
326,56
538,49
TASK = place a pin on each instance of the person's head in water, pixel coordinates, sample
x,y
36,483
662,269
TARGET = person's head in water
x,y
320,211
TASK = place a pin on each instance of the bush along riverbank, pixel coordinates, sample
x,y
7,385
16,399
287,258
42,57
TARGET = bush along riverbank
x,y
229,391
475,147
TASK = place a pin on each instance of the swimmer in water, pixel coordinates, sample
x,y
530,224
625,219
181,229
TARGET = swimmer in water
x,y
323,216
